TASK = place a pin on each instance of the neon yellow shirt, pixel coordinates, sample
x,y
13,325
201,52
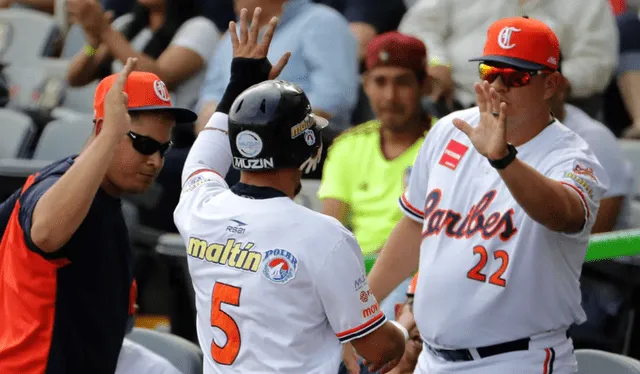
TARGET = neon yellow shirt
x,y
357,173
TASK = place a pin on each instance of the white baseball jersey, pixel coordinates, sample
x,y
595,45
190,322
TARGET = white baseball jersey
x,y
488,272
606,149
278,286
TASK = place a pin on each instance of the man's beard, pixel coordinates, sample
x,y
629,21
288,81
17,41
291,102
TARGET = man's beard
x,y
298,189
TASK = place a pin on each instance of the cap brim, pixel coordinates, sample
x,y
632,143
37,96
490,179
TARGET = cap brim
x,y
516,62
321,122
182,115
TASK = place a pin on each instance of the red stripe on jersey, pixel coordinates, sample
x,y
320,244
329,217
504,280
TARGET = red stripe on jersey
x,y
410,207
361,327
584,199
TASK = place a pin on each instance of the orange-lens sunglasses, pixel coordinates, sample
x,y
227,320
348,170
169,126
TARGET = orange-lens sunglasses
x,y
510,77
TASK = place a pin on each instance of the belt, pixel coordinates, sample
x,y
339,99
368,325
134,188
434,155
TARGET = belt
x,y
481,352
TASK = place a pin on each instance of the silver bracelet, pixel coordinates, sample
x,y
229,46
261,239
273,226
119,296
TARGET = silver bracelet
x,y
401,328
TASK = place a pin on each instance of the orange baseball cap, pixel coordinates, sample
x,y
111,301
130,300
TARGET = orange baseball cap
x,y
146,93
521,42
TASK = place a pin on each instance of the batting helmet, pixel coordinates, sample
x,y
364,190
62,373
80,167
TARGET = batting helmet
x,y
271,127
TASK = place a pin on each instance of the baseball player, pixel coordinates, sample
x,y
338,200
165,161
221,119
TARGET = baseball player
x,y
499,207
278,286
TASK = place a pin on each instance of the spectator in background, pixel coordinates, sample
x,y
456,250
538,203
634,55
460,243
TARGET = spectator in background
x,y
622,110
453,30
167,36
367,166
323,61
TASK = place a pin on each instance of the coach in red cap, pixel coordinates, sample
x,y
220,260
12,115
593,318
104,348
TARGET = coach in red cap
x,y
66,259
498,213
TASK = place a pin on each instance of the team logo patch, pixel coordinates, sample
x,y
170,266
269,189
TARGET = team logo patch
x,y
301,127
364,296
161,90
249,143
453,154
583,170
309,137
195,181
279,266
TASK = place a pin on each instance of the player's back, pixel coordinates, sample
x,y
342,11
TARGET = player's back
x,y
254,261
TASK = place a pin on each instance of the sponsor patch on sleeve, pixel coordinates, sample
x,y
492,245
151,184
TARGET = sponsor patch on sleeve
x,y
581,182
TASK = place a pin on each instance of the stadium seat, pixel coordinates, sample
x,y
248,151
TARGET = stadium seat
x,y
631,150
37,86
26,34
77,101
73,43
17,130
184,355
591,361
308,195
63,137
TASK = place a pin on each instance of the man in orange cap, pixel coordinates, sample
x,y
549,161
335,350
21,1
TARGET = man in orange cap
x,y
498,211
65,253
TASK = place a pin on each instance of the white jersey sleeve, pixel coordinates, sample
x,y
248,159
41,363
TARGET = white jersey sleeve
x,y
207,163
341,282
583,174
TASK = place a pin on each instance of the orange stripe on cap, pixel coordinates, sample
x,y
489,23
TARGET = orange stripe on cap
x,y
144,89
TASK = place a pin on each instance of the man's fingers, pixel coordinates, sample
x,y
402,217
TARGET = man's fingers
x,y
268,35
279,66
462,126
502,118
243,26
234,35
253,29
480,98
124,73
495,100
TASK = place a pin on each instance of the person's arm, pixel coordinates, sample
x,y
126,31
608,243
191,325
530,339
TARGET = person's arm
x,y
178,62
335,189
590,57
331,53
353,312
607,214
62,208
399,256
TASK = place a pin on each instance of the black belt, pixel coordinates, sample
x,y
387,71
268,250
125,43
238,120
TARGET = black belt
x,y
483,352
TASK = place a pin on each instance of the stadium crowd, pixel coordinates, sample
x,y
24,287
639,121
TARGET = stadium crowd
x,y
382,72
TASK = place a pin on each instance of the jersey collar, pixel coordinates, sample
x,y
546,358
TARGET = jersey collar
x,y
256,192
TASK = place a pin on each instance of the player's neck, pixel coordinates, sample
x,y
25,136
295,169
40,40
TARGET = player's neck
x,y
283,180
403,137
522,132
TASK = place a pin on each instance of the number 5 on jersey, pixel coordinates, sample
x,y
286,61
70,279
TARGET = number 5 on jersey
x,y
496,278
230,295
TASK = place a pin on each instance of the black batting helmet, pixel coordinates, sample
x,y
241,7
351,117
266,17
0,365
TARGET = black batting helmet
x,y
271,127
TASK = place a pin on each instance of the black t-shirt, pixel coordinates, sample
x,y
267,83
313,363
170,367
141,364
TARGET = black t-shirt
x,y
90,277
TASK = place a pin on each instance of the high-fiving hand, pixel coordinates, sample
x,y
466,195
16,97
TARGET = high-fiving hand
x,y
489,137
248,46
116,112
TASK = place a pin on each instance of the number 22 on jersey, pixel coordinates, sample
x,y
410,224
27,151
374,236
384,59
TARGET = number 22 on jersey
x,y
476,273
225,294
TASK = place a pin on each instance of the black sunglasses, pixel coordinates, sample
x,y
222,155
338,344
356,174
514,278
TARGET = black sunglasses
x,y
148,146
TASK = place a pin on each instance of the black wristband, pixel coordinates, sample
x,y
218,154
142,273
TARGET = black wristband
x,y
245,72
506,160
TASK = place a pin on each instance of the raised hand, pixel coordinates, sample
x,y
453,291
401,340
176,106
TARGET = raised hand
x,y
116,112
489,137
248,46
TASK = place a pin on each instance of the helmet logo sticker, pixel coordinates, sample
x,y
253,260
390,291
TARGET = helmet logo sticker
x,y
298,129
309,137
248,143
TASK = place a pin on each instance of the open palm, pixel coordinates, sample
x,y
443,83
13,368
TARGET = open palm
x,y
489,137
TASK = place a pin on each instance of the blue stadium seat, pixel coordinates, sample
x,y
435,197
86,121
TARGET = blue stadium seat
x,y
16,132
26,34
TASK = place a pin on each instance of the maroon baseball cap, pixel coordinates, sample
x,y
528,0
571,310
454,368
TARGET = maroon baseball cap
x,y
396,49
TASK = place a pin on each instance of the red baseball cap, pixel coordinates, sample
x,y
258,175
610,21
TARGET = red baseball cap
x,y
523,43
397,49
146,92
